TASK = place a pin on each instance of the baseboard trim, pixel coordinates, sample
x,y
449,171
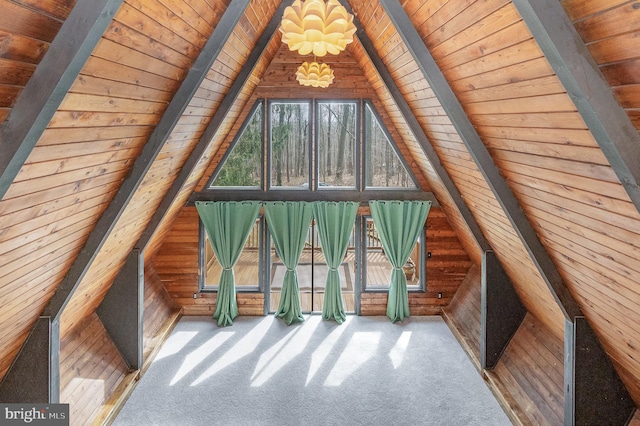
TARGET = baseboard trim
x,y
114,404
496,386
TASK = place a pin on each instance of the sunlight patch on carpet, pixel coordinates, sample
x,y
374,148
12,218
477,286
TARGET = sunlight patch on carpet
x,y
361,347
289,351
244,347
175,343
324,349
200,354
268,355
399,350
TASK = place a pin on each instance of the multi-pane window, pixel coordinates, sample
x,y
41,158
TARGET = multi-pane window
x,y
317,145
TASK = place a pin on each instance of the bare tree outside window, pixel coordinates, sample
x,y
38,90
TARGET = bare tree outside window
x,y
289,144
243,166
336,144
383,166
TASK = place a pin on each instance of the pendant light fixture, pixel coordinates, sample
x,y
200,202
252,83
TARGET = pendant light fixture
x,y
317,27
314,74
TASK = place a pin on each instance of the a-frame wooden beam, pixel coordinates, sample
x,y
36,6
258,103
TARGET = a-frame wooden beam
x,y
143,163
50,82
589,90
481,157
49,366
498,325
213,126
417,131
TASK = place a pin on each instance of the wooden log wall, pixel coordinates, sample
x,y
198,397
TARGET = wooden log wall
x,y
177,266
26,31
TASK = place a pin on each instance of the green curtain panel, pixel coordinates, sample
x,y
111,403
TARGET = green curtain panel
x,y
334,222
228,224
288,223
398,224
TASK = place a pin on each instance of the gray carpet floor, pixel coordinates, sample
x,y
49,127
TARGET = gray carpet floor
x,y
260,371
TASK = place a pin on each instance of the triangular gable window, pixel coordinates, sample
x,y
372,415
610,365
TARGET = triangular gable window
x,y
293,159
384,167
242,165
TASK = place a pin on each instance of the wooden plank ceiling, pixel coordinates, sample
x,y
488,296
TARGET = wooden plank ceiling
x,y
551,161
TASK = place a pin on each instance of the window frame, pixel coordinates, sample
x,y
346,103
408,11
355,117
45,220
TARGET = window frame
x,y
259,104
268,186
202,261
357,149
312,185
363,171
421,287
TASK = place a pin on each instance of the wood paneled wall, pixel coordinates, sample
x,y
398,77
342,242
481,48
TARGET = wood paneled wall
x,y
158,309
252,24
81,159
610,31
599,227
125,43
529,377
417,154
26,30
439,23
90,370
549,158
532,371
464,313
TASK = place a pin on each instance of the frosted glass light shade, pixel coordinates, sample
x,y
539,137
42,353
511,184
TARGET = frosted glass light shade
x,y
313,26
314,74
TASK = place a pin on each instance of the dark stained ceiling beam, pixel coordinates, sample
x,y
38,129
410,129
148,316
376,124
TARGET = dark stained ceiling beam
x,y
212,127
363,197
418,132
589,90
48,85
143,163
481,157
